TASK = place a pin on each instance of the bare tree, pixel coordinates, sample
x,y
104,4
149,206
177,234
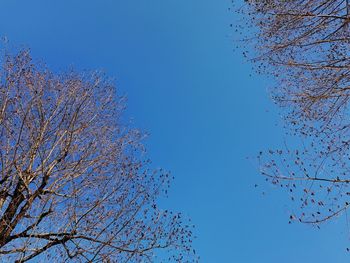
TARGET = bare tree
x,y
74,181
305,46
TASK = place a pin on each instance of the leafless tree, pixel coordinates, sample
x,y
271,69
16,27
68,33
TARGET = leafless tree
x,y
305,46
75,184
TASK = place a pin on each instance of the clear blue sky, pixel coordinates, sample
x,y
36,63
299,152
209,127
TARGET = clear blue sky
x,y
174,59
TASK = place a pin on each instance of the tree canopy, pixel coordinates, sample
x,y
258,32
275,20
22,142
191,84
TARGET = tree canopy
x,y
305,46
75,183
